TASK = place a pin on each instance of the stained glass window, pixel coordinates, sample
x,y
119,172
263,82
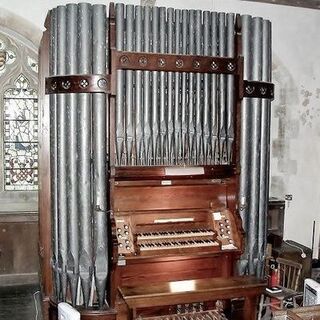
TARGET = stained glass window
x,y
20,123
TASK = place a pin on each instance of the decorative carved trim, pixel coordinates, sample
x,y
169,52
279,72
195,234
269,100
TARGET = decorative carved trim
x,y
257,89
2,58
83,83
173,62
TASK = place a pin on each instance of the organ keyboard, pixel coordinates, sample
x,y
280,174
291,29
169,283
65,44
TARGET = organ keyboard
x,y
206,231
201,315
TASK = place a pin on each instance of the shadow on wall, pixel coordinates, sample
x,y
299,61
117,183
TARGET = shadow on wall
x,y
284,128
295,109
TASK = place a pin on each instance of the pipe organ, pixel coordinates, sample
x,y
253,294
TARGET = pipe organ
x,y
153,161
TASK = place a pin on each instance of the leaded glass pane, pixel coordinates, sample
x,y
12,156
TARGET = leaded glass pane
x,y
21,155
23,131
20,109
21,179
21,136
21,89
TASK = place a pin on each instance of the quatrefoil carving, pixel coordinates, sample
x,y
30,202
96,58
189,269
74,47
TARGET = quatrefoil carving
x,y
161,62
250,89
214,66
179,63
263,90
83,83
66,84
231,66
143,61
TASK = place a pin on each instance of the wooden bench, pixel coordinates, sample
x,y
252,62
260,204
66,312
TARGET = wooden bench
x,y
178,292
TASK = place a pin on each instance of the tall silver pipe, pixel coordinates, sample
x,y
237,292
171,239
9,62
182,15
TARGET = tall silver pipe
x,y
155,88
191,91
84,153
245,136
230,89
214,119
99,115
265,146
177,95
184,93
62,141
198,137
138,90
206,91
71,103
53,157
170,91
120,133
255,155
163,147
129,124
222,90
146,92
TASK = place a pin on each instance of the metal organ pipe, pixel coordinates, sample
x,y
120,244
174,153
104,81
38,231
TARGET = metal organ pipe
x,y
215,150
163,134
191,93
129,150
222,91
62,155
120,133
184,92
146,93
99,134
230,89
170,91
265,146
255,150
155,89
53,156
177,95
138,144
245,135
84,154
206,141
197,140
72,154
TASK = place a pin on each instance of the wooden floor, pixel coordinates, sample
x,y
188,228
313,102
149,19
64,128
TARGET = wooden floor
x,y
20,303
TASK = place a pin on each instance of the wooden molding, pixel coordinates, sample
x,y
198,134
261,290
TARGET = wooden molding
x,y
310,4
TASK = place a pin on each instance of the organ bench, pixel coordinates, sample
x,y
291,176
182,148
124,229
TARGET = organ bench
x,y
140,297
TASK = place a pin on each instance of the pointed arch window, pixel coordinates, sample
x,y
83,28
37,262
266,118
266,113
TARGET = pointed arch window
x,y
18,123
21,136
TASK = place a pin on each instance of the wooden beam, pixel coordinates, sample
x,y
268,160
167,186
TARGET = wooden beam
x,y
311,4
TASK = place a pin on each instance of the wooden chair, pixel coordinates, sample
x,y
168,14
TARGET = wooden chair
x,y
289,276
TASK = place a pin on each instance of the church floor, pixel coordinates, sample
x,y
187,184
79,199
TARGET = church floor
x,y
20,302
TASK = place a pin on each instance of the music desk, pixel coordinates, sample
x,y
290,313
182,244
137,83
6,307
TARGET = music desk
x,y
177,292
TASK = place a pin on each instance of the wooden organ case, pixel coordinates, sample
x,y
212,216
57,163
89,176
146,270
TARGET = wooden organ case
x,y
174,229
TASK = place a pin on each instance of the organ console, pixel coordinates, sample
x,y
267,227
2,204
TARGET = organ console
x,y
157,232
145,222
174,227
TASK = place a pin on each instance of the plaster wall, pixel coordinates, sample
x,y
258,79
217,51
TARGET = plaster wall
x,y
295,147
